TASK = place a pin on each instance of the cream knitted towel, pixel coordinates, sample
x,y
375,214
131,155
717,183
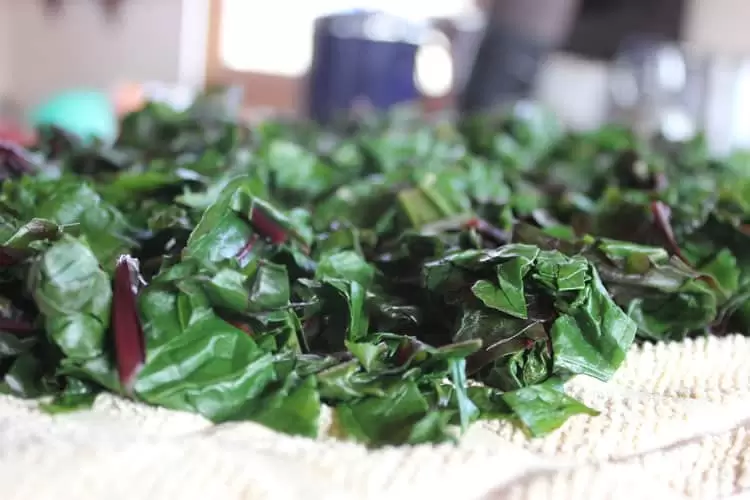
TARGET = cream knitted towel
x,y
675,424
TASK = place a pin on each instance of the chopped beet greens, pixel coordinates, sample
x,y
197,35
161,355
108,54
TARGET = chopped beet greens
x,y
413,276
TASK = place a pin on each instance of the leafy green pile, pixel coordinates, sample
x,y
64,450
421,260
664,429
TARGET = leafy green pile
x,y
375,267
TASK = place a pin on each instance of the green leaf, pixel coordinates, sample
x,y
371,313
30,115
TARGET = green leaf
x,y
74,295
11,345
543,408
560,273
227,289
489,401
508,296
467,410
673,316
77,396
384,420
292,409
346,382
723,268
270,289
353,295
369,355
594,335
212,368
161,316
222,233
25,377
297,169
98,371
432,428
418,208
32,231
225,237
101,224
345,265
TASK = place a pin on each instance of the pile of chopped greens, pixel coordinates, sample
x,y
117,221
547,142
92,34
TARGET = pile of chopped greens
x,y
413,276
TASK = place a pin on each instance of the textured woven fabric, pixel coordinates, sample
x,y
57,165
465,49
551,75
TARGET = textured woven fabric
x,y
675,424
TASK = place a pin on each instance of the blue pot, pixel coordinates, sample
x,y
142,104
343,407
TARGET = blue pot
x,y
363,56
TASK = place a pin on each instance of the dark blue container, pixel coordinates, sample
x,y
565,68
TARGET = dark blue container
x,y
362,56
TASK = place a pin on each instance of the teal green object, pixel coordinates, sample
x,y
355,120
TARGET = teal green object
x,y
87,114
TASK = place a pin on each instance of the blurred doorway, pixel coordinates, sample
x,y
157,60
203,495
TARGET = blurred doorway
x,y
242,47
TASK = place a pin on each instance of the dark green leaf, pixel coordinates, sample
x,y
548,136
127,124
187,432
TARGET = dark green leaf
x,y
292,409
383,420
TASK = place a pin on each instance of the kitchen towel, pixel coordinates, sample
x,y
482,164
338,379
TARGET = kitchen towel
x,y
674,424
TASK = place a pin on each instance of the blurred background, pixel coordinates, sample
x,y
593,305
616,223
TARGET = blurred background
x,y
679,65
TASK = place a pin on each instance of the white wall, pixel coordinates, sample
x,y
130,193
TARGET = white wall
x,y
150,40
4,46
719,26
575,89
